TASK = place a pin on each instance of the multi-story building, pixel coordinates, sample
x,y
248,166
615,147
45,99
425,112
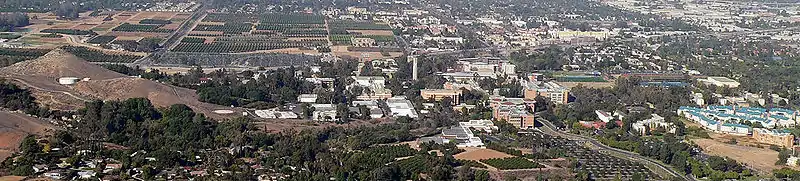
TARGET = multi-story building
x,y
439,94
374,87
720,82
514,111
325,112
519,118
556,93
774,137
653,123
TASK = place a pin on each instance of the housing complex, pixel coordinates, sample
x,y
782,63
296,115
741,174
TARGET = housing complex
x,y
738,121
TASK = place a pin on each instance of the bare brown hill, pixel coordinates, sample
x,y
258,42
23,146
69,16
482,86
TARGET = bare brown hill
x,y
59,63
14,127
131,87
41,77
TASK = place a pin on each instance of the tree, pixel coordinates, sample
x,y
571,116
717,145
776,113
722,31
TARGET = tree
x,y
66,11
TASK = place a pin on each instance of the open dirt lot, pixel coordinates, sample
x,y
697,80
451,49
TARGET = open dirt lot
x,y
164,15
11,178
760,159
85,26
142,15
478,154
14,127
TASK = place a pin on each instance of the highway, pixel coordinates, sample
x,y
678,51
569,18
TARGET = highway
x,y
548,128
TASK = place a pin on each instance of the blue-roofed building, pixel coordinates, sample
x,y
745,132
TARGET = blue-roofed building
x,y
730,119
738,129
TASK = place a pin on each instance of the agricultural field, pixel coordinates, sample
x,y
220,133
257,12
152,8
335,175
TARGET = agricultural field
x,y
239,33
599,166
98,29
286,33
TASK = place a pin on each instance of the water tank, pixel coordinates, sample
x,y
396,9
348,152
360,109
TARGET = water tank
x,y
68,80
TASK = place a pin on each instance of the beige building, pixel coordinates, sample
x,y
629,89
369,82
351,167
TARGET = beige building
x,y
774,137
439,94
556,93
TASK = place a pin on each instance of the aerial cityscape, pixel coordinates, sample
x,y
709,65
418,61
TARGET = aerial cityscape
x,y
470,90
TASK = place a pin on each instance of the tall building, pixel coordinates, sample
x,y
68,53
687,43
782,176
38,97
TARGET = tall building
x,y
414,72
556,93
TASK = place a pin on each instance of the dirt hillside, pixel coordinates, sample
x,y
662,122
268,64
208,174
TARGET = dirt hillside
x,y
41,77
14,127
131,87
59,63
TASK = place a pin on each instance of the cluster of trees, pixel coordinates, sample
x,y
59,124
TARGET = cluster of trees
x,y
14,98
67,11
144,45
627,94
10,21
154,74
10,56
278,86
551,58
174,135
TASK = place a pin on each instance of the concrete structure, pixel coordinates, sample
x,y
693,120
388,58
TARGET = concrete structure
x,y
774,137
68,80
307,98
720,82
275,114
324,112
480,124
374,87
462,136
653,123
400,106
439,94
556,93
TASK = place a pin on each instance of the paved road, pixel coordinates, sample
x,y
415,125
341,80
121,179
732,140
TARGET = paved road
x,y
173,38
548,128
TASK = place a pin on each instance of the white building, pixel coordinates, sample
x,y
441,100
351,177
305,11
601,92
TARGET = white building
x,y
481,124
792,161
720,82
604,116
275,114
374,87
307,98
324,112
400,106
653,123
